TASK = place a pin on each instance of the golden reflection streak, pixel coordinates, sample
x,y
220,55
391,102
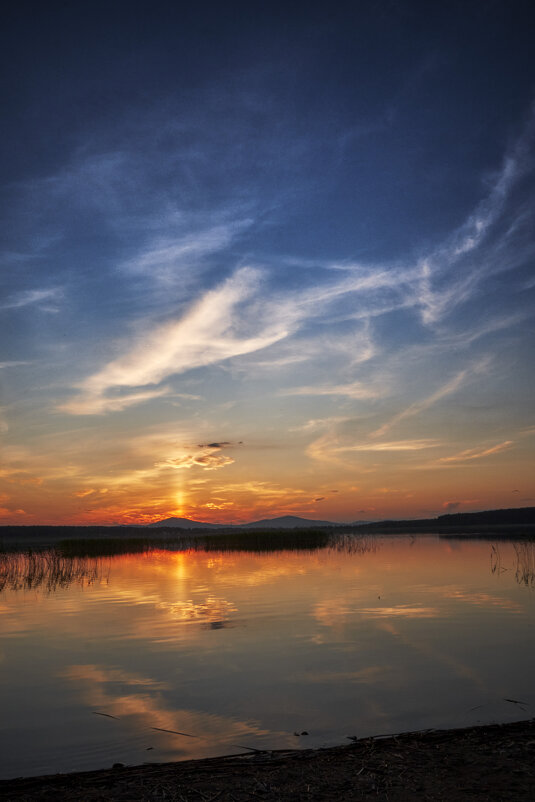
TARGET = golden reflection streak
x,y
148,710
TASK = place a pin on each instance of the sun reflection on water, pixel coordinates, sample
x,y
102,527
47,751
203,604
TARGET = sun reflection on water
x,y
246,647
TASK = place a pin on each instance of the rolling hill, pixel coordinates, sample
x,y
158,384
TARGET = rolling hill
x,y
283,522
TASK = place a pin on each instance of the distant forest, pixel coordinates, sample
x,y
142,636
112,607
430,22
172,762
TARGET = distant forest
x,y
463,521
519,516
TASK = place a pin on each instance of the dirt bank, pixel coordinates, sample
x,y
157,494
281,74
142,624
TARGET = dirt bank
x,y
495,762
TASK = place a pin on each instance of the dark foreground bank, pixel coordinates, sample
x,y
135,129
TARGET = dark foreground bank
x,y
495,762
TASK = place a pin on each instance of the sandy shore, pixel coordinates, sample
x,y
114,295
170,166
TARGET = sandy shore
x,y
495,762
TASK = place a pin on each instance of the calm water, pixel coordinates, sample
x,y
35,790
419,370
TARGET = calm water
x,y
245,649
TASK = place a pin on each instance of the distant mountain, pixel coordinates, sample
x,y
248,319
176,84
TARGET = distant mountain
x,y
516,516
286,522
184,523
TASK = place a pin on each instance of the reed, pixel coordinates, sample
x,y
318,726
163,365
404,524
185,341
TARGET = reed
x,y
109,547
252,540
49,569
265,540
525,563
86,561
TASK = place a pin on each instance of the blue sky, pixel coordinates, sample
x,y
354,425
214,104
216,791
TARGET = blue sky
x,y
262,260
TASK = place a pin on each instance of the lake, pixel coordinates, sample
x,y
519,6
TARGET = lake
x,y
100,658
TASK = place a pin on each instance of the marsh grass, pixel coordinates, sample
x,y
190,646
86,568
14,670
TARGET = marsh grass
x,y
267,540
256,540
355,544
49,569
525,563
524,558
110,547
88,561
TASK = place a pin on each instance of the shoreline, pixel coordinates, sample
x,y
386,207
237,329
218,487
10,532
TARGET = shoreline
x,y
112,541
483,762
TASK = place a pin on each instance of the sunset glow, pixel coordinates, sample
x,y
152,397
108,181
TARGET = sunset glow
x,y
252,266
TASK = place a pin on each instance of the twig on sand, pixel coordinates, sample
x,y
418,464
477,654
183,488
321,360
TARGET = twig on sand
x,y
108,715
251,748
175,732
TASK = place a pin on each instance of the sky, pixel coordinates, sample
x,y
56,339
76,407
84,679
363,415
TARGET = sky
x,y
266,259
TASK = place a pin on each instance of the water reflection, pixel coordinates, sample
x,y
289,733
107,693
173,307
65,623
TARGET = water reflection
x,y
212,611
190,653
62,566
354,544
525,563
138,703
85,562
524,569
50,570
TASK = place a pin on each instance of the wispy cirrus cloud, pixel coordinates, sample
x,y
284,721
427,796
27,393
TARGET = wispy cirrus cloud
x,y
394,445
99,404
466,337
45,299
333,447
417,407
12,364
435,303
477,453
205,335
447,276
334,444
249,312
451,273
325,448
356,390
320,423
231,320
260,489
170,259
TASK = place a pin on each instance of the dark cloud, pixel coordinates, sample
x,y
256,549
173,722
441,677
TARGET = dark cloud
x,y
321,498
451,505
220,444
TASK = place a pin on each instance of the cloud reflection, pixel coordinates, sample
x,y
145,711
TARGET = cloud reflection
x,y
115,692
401,611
